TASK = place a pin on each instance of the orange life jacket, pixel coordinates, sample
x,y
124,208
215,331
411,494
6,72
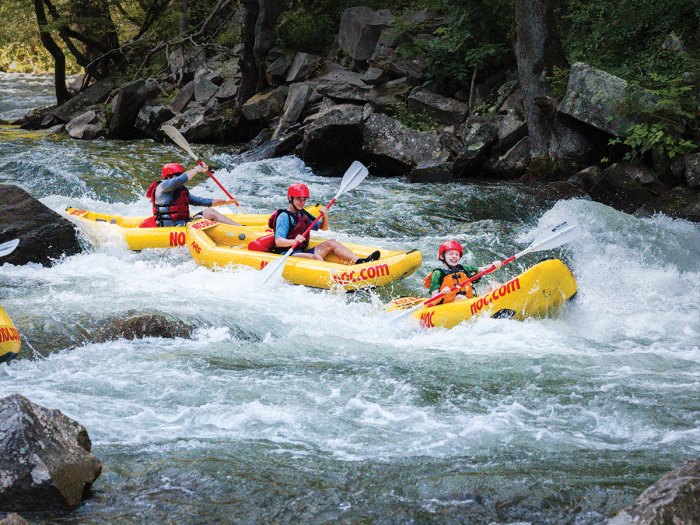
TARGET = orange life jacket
x,y
450,278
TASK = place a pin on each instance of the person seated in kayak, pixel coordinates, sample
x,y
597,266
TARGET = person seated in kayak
x,y
290,224
440,280
171,199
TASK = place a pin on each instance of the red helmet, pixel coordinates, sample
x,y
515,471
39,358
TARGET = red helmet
x,y
298,190
172,169
449,245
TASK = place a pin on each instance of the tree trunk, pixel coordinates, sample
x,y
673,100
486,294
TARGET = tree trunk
x,y
249,74
184,16
268,13
537,50
96,21
59,58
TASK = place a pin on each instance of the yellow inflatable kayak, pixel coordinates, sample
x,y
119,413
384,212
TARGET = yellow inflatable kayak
x,y
9,338
141,238
537,292
218,245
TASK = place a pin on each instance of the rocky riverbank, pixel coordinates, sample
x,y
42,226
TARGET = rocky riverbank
x,y
363,99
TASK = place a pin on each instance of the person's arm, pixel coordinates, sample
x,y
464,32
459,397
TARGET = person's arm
x,y
324,223
201,201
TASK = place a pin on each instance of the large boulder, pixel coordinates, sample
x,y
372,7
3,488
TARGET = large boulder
x,y
598,98
691,163
443,109
151,117
45,464
480,135
673,499
624,186
266,105
183,98
89,125
127,104
44,235
510,164
137,325
297,97
359,30
680,202
206,86
200,124
396,148
303,66
347,86
334,139
94,94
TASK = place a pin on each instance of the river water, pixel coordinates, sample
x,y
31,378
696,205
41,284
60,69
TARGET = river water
x,y
292,405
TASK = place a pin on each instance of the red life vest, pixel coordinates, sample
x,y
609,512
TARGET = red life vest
x,y
177,210
303,221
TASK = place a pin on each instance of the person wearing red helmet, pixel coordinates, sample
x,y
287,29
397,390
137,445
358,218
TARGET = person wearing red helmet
x,y
171,199
290,224
440,280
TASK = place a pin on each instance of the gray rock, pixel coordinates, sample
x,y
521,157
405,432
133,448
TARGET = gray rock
x,y
44,235
623,186
199,124
396,65
396,149
333,140
431,172
95,94
443,109
674,499
380,97
276,71
205,87
692,169
228,90
597,98
184,61
183,98
266,105
297,97
680,202
480,135
127,104
373,76
303,66
512,163
151,117
137,325
45,462
673,43
587,177
87,126
14,519
359,30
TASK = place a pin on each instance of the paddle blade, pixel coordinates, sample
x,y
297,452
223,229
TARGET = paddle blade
x,y
6,248
554,237
352,178
273,272
178,139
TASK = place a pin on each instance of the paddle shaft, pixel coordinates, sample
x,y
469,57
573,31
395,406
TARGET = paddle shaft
x,y
231,197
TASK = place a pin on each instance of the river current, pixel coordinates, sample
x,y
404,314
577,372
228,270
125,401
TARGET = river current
x,y
292,405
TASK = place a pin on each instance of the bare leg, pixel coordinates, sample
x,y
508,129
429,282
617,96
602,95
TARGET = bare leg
x,y
308,256
214,215
326,248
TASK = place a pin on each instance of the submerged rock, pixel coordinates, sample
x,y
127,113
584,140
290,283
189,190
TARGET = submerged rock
x,y
45,459
44,235
672,500
139,325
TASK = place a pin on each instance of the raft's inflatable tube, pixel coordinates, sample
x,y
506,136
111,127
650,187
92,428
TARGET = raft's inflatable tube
x,y
218,245
537,292
9,338
138,238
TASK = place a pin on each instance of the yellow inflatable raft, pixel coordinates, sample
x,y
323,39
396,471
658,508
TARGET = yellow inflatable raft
x,y
9,338
218,245
537,292
141,238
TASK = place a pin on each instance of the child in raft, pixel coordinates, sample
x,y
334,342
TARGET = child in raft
x,y
440,280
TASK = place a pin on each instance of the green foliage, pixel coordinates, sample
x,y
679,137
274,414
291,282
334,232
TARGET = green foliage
x,y
477,36
413,118
672,124
303,30
558,81
624,37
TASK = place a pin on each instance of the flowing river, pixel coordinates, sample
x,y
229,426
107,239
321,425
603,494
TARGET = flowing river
x,y
292,405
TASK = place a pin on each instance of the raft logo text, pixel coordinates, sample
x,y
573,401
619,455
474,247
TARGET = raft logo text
x,y
379,270
504,290
8,334
178,239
